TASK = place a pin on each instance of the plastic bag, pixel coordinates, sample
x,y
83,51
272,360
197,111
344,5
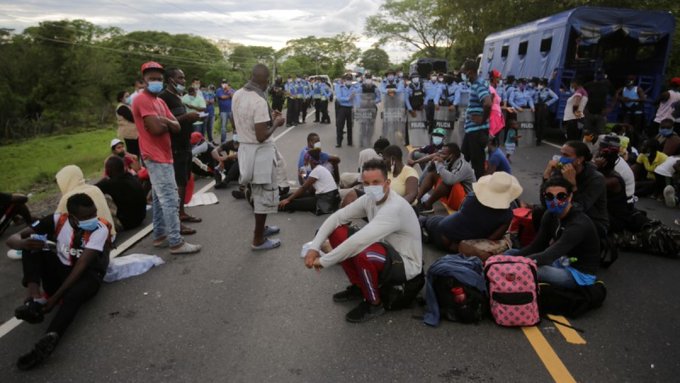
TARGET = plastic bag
x,y
130,266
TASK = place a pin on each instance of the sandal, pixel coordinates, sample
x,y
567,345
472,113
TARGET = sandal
x,y
271,230
268,244
185,230
189,218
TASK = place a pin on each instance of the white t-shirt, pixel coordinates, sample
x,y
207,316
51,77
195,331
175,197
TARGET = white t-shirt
x,y
626,173
569,109
324,180
666,108
66,252
248,109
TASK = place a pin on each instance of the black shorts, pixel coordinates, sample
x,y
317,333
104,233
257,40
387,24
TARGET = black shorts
x,y
182,165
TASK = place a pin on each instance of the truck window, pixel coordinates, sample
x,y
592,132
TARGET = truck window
x,y
546,44
523,48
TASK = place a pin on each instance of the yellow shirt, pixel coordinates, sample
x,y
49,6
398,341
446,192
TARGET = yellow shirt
x,y
658,160
398,184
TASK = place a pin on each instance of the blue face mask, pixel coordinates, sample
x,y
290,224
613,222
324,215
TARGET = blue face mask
x,y
375,192
89,224
128,100
390,77
566,160
666,132
555,206
180,88
155,87
464,77
437,140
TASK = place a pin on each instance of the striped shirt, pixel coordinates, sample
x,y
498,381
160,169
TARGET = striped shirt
x,y
478,91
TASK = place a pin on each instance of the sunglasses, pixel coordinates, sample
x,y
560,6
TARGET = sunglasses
x,y
561,196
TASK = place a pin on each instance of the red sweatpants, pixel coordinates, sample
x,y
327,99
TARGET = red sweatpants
x,y
364,268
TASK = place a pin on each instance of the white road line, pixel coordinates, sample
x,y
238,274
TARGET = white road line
x,y
291,128
9,326
551,144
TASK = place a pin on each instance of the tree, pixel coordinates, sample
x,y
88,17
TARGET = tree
x,y
322,52
376,60
415,24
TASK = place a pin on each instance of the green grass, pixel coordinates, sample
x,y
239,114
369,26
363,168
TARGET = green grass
x,y
30,166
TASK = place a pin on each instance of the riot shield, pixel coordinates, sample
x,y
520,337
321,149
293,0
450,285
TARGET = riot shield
x,y
417,129
394,118
446,119
459,131
365,112
527,133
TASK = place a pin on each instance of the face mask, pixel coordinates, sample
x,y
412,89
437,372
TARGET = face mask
x,y
348,83
437,140
235,137
375,192
415,80
433,78
665,132
400,74
290,80
368,81
89,224
572,90
540,87
464,76
128,100
390,78
566,160
155,87
556,206
298,79
317,145
308,168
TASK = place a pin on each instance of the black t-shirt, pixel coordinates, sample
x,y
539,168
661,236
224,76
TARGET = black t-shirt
x,y
128,194
182,140
597,96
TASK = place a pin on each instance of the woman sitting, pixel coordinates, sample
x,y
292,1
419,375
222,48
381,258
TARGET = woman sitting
x,y
318,194
567,246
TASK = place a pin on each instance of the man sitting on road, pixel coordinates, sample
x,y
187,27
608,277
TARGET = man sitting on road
x,y
363,255
227,156
127,193
11,206
328,161
448,172
484,214
319,192
423,155
70,268
497,161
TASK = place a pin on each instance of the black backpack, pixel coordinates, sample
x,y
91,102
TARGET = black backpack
x,y
396,292
654,238
571,303
470,311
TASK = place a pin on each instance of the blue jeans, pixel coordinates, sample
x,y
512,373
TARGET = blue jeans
x,y
165,202
556,276
224,119
208,125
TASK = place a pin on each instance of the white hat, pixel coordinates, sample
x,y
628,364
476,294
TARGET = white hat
x,y
497,190
115,142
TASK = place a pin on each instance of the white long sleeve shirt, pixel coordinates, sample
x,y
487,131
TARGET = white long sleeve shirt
x,y
393,221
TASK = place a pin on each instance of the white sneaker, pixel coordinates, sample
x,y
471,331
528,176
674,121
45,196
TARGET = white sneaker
x,y
186,248
14,254
669,196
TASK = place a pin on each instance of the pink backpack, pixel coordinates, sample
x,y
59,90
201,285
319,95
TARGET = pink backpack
x,y
513,290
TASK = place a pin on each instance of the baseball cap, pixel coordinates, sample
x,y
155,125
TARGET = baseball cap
x,y
675,81
196,137
115,142
494,74
152,65
439,132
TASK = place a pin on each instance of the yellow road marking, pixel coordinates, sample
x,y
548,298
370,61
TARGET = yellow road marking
x,y
545,352
569,334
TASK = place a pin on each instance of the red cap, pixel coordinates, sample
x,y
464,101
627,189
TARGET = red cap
x,y
494,74
196,137
152,65
675,81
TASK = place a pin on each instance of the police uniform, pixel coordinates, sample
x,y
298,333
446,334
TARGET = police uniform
x,y
344,96
544,98
433,92
293,103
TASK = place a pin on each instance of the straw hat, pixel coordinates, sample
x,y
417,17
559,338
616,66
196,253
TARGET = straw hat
x,y
497,190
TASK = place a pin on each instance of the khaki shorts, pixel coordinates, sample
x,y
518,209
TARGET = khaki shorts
x,y
265,198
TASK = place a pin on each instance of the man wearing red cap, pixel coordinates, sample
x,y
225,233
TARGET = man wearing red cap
x,y
666,101
154,123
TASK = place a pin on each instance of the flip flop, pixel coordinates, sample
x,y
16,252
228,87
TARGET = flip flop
x,y
268,244
184,230
189,218
271,230
162,243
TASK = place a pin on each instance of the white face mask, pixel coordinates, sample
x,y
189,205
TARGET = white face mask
x,y
317,145
433,78
375,192
437,140
415,80
368,81
348,83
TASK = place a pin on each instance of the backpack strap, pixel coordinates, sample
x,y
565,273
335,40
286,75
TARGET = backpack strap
x,y
60,224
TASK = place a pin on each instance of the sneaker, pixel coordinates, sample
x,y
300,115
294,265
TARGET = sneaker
x,y
40,352
669,196
351,293
31,311
14,254
220,185
364,312
186,248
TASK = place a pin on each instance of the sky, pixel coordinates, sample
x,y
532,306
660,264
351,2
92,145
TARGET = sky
x,y
255,22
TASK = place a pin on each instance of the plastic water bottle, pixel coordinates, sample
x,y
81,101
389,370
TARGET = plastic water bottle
x,y
458,295
43,238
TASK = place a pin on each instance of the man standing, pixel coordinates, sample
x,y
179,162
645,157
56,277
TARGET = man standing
x,y
255,123
433,91
154,123
292,104
477,118
277,93
224,95
344,95
181,141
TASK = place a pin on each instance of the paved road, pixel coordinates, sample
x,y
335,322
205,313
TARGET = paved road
x,y
228,314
